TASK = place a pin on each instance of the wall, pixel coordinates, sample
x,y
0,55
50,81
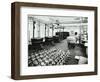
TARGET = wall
x,y
5,40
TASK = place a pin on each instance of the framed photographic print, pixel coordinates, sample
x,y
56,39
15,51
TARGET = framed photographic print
x,y
51,40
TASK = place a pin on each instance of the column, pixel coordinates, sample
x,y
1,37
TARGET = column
x,y
33,27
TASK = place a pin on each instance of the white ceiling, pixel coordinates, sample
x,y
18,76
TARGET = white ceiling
x,y
60,19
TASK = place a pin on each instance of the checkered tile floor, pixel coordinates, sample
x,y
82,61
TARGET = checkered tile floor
x,y
47,57
54,55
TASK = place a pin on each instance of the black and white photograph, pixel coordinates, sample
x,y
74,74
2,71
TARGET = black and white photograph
x,y
50,40
57,40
